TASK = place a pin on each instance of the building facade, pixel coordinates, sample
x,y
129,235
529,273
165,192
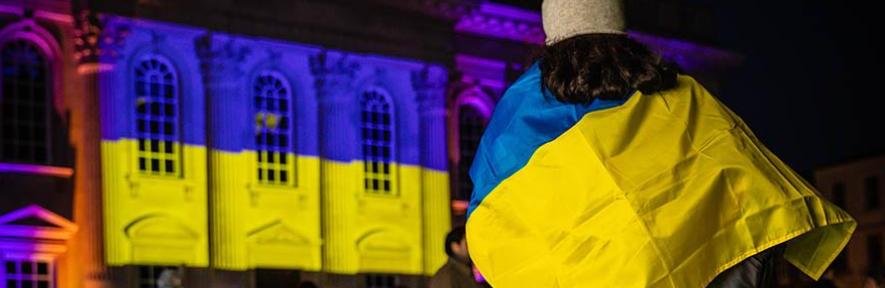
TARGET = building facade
x,y
153,143
857,187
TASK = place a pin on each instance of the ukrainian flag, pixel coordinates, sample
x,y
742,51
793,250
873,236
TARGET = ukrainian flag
x,y
660,190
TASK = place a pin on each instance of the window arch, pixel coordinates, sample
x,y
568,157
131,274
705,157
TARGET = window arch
x,y
157,116
273,129
377,133
25,103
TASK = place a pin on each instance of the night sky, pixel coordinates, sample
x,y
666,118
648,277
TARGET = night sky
x,y
809,86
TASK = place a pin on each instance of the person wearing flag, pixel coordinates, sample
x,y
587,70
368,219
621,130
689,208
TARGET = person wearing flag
x,y
603,166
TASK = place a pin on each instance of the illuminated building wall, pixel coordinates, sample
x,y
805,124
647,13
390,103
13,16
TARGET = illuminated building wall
x,y
153,148
263,130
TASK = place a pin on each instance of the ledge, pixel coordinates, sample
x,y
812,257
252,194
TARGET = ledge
x,y
57,171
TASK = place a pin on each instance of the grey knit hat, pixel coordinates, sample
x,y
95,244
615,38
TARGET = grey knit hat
x,y
566,18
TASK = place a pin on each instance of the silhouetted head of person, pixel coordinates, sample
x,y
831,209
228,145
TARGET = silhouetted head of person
x,y
456,244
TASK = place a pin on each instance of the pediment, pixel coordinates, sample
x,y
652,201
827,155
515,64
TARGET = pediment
x,y
33,221
161,228
277,232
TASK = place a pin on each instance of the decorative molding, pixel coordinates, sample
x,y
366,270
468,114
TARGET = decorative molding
x,y
505,22
157,39
277,232
64,172
161,238
95,40
273,56
475,97
220,57
445,9
160,227
502,22
481,71
53,16
330,63
137,182
334,73
257,190
386,240
58,227
17,10
32,31
384,249
430,86
91,68
429,78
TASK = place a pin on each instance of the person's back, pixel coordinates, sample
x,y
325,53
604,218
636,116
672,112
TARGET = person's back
x,y
601,167
453,275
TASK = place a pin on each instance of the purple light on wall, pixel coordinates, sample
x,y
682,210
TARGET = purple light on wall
x,y
477,100
36,169
54,227
502,21
505,22
35,34
688,55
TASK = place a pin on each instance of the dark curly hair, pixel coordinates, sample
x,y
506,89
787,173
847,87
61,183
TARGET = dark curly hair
x,y
605,66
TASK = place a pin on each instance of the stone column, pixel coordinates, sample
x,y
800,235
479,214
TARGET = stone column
x,y
96,52
430,88
220,59
334,74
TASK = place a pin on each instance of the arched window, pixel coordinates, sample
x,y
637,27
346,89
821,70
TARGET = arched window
x,y
378,143
25,103
157,117
471,123
273,129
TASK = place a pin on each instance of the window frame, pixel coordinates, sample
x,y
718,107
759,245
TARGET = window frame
x,y
478,97
463,172
49,79
288,151
177,155
392,174
18,258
